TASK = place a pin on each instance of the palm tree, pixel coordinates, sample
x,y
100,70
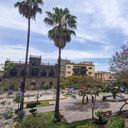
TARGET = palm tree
x,y
63,24
28,9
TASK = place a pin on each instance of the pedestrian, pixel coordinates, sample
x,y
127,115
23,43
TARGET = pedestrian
x,y
92,99
87,99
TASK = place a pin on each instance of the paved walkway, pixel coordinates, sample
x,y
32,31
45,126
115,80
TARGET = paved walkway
x,y
73,110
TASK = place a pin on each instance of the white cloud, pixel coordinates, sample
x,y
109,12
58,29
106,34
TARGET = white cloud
x,y
111,13
95,18
17,52
10,18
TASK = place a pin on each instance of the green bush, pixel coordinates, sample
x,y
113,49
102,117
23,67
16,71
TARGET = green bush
x,y
101,119
17,99
32,122
32,104
116,122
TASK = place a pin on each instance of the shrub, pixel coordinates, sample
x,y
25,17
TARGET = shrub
x,y
32,104
17,99
116,122
101,119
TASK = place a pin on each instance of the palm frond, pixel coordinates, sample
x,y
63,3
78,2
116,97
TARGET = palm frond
x,y
49,14
63,24
48,21
28,8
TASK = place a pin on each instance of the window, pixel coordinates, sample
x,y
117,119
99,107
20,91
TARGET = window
x,y
68,66
51,73
90,68
43,83
22,73
44,73
68,72
90,72
35,72
50,84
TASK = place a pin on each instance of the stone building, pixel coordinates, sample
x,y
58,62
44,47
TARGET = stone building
x,y
38,74
105,76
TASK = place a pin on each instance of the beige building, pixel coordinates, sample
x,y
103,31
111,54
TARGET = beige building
x,y
105,76
84,68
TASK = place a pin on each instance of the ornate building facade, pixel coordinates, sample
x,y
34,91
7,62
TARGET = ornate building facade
x,y
38,74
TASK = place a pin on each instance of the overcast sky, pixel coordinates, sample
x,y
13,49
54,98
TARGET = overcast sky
x,y
102,29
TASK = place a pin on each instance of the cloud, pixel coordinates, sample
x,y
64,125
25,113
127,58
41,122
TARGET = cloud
x,y
17,52
102,28
12,19
93,17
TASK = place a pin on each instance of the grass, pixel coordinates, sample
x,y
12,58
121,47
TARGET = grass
x,y
43,103
40,103
45,120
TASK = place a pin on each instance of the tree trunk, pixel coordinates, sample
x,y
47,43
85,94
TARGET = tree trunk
x,y
93,104
114,96
25,67
122,106
57,114
18,106
83,98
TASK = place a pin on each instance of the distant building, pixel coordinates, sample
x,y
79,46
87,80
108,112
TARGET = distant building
x,y
63,67
105,76
38,74
84,68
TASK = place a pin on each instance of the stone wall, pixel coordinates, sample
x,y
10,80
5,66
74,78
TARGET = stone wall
x,y
31,83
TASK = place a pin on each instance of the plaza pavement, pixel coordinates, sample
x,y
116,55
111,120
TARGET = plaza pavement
x,y
72,109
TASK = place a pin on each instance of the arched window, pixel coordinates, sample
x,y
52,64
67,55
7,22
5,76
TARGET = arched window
x,y
51,73
22,73
44,73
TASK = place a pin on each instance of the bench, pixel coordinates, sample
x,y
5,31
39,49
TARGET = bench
x,y
106,113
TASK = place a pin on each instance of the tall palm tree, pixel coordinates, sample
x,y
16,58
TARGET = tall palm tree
x,y
63,25
28,9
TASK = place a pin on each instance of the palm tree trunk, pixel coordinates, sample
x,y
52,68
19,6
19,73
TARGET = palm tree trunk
x,y
57,114
25,67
